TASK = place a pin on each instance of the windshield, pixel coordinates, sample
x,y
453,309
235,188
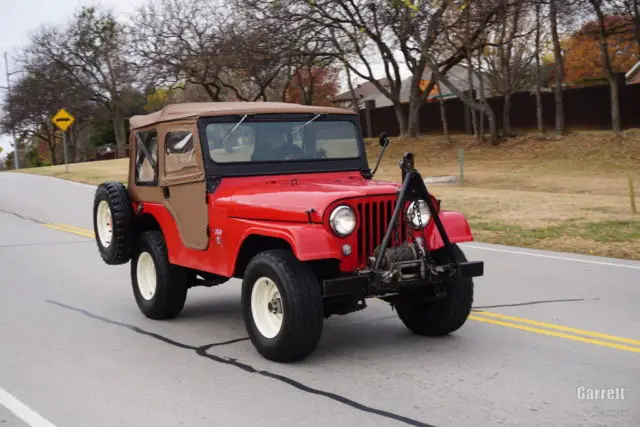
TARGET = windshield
x,y
244,141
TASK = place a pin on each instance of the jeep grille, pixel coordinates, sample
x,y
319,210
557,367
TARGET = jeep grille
x,y
374,214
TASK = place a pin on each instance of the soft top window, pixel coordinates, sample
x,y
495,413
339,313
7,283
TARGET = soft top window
x,y
254,140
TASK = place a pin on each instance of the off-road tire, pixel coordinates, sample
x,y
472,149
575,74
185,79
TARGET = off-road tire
x,y
444,316
116,196
171,280
302,303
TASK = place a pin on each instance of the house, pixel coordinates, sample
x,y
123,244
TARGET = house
x,y
458,75
633,75
362,93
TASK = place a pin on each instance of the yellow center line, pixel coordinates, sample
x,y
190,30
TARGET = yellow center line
x,y
558,327
481,316
557,334
70,229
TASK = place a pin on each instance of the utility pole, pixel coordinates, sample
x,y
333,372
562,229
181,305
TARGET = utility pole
x,y
16,154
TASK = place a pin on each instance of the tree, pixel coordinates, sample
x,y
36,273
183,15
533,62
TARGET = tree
x,y
39,93
509,54
212,45
396,34
630,9
354,32
464,35
90,51
562,14
584,58
558,66
602,30
538,46
313,85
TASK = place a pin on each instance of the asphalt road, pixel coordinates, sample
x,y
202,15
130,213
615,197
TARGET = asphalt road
x,y
75,350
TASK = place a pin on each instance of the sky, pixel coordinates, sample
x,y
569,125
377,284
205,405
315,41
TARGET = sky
x,y
21,18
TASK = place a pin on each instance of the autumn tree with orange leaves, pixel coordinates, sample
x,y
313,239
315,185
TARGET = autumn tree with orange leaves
x,y
313,85
583,59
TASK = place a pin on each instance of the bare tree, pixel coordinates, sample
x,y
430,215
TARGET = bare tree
x,y
483,98
630,10
509,55
558,66
180,41
224,50
539,35
90,51
599,8
37,96
464,34
443,115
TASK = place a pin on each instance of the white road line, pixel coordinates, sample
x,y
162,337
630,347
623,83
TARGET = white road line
x,y
587,261
25,413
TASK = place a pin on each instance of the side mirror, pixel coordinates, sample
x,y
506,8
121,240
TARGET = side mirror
x,y
384,139
384,143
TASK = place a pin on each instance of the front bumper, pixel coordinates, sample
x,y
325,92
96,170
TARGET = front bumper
x,y
368,283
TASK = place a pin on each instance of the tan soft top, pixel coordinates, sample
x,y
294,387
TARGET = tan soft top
x,y
198,109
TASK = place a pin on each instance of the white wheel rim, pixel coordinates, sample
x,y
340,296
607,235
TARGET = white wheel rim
x,y
266,307
104,224
146,276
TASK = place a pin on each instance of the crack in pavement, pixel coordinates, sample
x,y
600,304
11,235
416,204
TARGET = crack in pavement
x,y
202,351
518,304
22,216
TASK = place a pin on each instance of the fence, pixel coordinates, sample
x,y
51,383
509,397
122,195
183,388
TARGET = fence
x,y
584,108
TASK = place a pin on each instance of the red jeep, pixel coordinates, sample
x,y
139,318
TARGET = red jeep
x,y
281,196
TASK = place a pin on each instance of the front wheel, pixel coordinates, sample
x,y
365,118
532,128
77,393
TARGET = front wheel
x,y
442,317
282,306
160,288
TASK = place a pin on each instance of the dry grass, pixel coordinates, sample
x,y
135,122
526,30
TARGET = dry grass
x,y
548,194
89,173
568,195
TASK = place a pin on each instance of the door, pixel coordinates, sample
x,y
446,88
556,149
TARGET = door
x,y
182,180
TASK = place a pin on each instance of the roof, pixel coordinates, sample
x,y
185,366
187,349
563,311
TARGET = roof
x,y
363,89
633,70
458,76
199,109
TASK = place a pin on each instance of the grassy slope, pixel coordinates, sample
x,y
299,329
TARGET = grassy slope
x,y
569,195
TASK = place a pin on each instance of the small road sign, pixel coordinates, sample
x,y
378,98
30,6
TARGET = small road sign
x,y
63,119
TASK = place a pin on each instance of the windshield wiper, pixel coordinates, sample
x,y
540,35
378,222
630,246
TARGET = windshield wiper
x,y
233,128
300,127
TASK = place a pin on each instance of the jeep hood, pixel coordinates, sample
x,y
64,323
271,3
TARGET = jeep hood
x,y
289,199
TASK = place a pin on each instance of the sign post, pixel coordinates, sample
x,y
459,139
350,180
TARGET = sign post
x,y
461,160
63,120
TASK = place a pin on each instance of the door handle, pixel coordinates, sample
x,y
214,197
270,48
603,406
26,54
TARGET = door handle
x,y
165,192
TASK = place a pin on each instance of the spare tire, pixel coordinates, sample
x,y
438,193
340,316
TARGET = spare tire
x,y
113,222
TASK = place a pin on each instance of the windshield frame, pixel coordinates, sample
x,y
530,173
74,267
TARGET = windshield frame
x,y
280,167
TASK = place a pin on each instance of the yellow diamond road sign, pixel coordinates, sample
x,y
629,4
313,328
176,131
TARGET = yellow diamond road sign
x,y
63,119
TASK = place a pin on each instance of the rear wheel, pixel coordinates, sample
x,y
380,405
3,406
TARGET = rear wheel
x,y
441,317
160,288
282,306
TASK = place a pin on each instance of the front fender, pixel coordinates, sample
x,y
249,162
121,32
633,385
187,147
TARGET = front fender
x,y
456,227
308,241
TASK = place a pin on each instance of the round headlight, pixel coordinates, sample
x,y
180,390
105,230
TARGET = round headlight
x,y
418,214
343,220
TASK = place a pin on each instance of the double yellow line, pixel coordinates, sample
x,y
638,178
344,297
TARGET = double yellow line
x,y
542,328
